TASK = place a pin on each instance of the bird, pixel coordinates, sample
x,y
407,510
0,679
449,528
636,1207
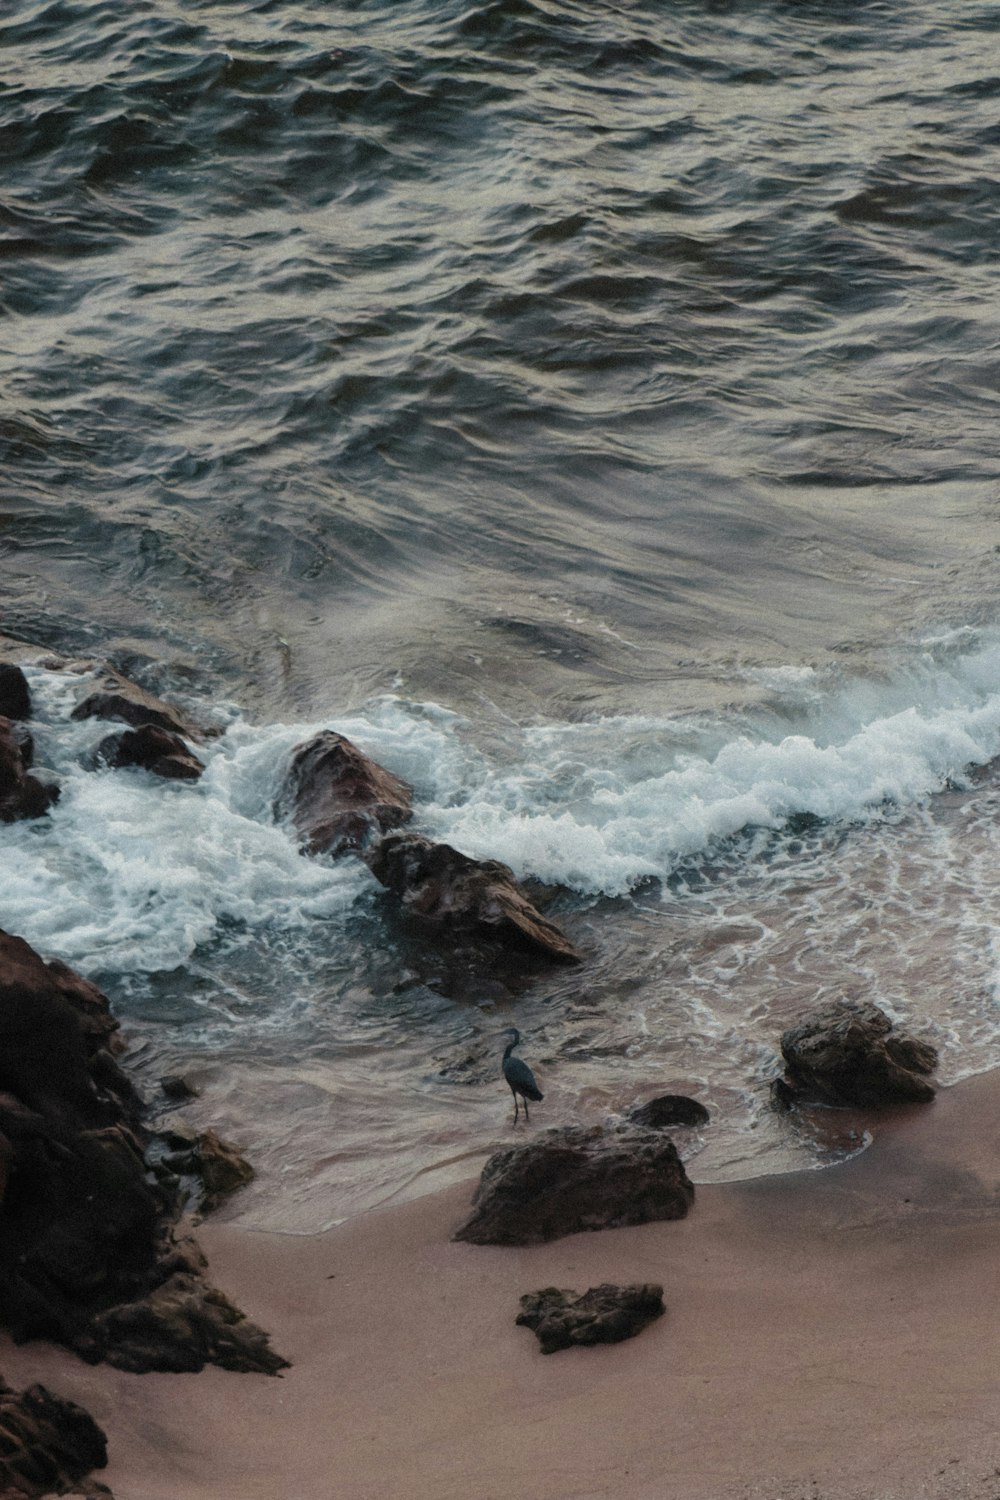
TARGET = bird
x,y
520,1078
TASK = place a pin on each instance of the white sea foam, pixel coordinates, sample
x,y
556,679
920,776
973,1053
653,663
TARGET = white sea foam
x,y
134,874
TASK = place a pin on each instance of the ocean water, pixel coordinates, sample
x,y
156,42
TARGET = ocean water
x,y
593,412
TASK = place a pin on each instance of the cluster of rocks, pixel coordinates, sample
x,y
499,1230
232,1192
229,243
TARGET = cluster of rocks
x,y
341,801
91,1256
605,1314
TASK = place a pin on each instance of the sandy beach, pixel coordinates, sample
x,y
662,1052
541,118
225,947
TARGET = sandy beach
x,y
830,1335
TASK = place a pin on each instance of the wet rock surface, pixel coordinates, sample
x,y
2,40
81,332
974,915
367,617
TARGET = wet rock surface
x,y
338,798
21,794
847,1053
152,749
122,700
48,1446
87,1230
668,1110
605,1314
577,1178
449,893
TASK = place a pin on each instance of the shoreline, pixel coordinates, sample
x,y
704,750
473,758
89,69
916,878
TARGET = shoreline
x,y
829,1334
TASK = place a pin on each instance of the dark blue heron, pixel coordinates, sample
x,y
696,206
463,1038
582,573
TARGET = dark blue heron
x,y
519,1076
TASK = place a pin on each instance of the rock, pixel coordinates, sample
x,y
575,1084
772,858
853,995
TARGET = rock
x,y
667,1110
844,1054
15,695
338,798
181,1325
48,1445
575,1178
118,698
217,1164
605,1314
21,794
151,749
87,1230
222,1169
448,892
176,1087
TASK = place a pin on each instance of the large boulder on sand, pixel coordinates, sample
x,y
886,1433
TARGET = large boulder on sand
x,y
86,1228
448,892
574,1178
847,1053
338,797
605,1314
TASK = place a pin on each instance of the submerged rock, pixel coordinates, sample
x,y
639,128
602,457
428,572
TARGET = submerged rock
x,y
605,1314
151,749
21,794
667,1110
48,1446
575,1178
86,1228
448,892
845,1053
338,797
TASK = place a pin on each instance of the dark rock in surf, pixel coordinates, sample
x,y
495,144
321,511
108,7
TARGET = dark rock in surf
x,y
87,1231
338,798
605,1314
124,701
577,1178
152,749
668,1110
447,892
15,695
21,794
847,1054
48,1446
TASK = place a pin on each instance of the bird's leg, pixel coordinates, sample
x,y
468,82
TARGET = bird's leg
x,y
514,1092
526,1115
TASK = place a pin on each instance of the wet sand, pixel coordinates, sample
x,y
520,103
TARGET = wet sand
x,y
831,1335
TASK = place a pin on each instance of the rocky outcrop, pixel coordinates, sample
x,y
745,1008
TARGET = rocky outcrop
x,y
88,1233
575,1178
124,701
48,1446
15,694
150,748
668,1110
605,1314
213,1168
21,794
338,798
447,892
847,1053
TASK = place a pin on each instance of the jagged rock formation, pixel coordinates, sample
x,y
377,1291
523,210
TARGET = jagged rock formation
x,y
605,1314
847,1053
449,893
88,1252
338,798
48,1446
575,1178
